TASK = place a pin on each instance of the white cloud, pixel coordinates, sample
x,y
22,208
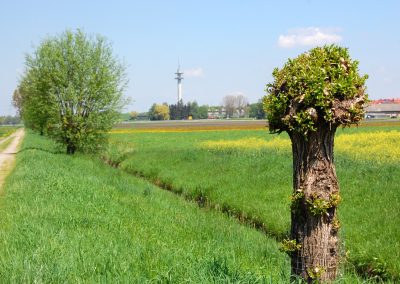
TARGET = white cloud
x,y
194,72
310,36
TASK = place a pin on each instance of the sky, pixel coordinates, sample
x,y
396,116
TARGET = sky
x,y
224,47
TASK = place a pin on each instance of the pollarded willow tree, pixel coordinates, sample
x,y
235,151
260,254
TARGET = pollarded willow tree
x,y
311,96
72,90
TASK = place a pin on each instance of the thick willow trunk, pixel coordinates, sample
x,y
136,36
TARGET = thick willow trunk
x,y
316,194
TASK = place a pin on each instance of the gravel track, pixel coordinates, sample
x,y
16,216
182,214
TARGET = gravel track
x,y
7,156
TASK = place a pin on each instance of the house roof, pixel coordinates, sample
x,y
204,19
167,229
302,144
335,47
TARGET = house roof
x,y
383,108
386,101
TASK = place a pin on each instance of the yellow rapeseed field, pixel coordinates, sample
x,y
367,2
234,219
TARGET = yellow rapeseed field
x,y
253,143
382,146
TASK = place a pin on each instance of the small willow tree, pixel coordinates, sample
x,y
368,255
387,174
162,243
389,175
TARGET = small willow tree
x,y
72,90
310,97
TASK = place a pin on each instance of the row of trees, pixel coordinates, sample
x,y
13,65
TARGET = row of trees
x,y
192,110
72,90
10,120
177,111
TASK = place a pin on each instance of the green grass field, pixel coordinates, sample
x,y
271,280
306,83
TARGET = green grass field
x,y
76,220
254,182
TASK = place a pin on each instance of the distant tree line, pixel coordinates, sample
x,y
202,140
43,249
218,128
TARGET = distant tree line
x,y
190,109
232,106
10,120
178,111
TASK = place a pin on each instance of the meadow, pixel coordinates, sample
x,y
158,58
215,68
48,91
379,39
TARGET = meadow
x,y
77,220
198,206
248,174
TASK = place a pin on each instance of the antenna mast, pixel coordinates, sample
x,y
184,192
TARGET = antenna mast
x,y
179,78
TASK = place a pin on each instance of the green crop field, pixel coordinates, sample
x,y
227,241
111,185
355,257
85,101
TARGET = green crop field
x,y
248,174
77,219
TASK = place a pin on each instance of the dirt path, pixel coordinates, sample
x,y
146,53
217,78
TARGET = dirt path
x,y
7,156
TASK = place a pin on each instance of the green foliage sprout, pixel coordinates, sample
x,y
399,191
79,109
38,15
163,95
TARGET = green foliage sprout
x,y
319,206
289,246
315,273
296,199
336,224
322,86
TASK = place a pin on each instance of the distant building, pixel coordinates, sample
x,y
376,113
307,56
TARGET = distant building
x,y
383,110
216,112
385,101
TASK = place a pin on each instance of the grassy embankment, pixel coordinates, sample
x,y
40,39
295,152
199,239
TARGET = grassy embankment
x,y
249,174
75,219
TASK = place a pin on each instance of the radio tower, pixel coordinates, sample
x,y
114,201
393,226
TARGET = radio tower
x,y
179,78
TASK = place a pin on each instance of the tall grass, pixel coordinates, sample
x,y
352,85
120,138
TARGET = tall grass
x,y
76,220
226,169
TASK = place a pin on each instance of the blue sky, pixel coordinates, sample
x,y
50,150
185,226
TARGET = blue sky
x,y
224,46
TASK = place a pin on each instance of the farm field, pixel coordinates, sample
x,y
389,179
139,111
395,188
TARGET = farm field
x,y
247,173
75,219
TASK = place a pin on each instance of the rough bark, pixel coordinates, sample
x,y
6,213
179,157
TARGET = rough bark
x,y
314,177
